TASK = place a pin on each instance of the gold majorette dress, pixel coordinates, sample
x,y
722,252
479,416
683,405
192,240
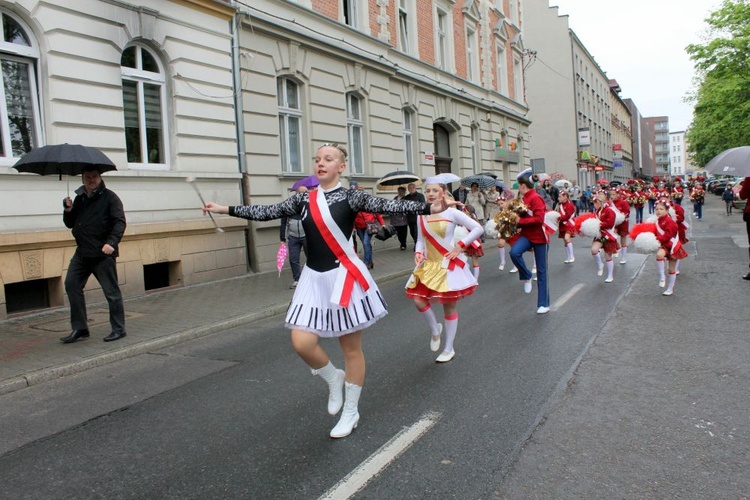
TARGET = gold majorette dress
x,y
437,277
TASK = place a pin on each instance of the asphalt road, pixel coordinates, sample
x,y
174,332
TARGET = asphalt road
x,y
238,415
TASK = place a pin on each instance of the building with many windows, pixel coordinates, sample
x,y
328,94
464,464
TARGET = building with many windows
x,y
659,126
237,95
622,136
150,84
680,160
569,99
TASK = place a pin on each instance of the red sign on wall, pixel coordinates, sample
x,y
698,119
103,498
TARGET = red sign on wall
x,y
616,147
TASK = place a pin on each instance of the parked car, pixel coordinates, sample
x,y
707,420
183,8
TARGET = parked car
x,y
718,188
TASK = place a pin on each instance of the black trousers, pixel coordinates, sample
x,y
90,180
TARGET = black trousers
x,y
413,230
401,233
105,272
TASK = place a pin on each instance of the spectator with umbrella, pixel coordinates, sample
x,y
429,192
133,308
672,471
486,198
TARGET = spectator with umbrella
x,y
97,220
476,197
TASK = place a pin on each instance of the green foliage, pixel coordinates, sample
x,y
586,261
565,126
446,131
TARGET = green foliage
x,y
721,118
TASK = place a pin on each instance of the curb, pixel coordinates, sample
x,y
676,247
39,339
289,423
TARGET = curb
x,y
47,374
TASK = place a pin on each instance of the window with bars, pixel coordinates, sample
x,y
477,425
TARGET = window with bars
x,y
143,96
20,122
290,124
408,134
355,129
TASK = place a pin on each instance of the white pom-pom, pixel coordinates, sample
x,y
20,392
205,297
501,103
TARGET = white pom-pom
x,y
552,218
458,234
646,243
652,219
490,229
619,217
672,213
591,227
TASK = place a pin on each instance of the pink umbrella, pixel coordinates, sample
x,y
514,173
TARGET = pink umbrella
x,y
281,256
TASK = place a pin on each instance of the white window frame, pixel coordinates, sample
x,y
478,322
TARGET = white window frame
x,y
472,55
355,128
407,122
141,77
358,15
406,27
444,37
502,69
475,152
285,113
513,14
28,55
518,78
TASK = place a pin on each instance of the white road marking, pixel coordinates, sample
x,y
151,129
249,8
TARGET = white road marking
x,y
566,297
375,463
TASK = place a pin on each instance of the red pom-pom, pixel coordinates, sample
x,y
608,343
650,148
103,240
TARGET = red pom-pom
x,y
631,182
642,227
581,219
656,179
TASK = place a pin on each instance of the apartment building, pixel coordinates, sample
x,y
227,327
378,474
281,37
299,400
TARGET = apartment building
x,y
622,136
659,126
424,86
568,96
680,160
150,84
238,95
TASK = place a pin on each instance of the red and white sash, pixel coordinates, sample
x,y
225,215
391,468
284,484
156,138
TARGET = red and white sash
x,y
675,243
351,270
441,245
610,233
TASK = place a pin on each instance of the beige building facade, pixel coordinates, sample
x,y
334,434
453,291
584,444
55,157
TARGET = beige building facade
x,y
150,84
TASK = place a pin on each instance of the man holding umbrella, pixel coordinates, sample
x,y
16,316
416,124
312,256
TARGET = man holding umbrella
x,y
97,220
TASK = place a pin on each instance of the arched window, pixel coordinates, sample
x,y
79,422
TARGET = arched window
x,y
144,94
20,122
355,127
290,124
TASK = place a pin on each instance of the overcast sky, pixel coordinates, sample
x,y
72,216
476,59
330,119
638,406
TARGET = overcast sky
x,y
653,68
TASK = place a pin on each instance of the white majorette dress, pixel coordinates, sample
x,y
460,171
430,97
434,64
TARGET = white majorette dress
x,y
437,277
336,294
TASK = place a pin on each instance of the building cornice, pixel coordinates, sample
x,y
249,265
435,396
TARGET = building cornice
x,y
219,8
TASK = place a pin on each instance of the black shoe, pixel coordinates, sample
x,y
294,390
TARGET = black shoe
x,y
746,277
403,248
114,336
75,335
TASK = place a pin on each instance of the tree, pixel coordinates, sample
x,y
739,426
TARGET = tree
x,y
721,117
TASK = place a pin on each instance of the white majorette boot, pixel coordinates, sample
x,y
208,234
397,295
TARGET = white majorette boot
x,y
350,415
335,380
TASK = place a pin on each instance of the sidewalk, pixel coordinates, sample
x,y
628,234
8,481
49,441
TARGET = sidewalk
x,y
31,353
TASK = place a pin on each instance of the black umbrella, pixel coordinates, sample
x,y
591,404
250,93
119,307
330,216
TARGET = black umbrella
x,y
63,159
392,181
483,181
494,176
735,161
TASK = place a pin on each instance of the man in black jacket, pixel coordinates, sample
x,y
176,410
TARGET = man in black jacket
x,y
97,220
411,219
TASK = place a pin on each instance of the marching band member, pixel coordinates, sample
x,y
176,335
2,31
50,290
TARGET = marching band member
x,y
697,195
532,237
607,239
639,200
336,295
566,231
667,233
678,191
442,272
622,229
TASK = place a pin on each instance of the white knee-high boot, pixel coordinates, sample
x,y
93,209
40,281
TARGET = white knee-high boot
x,y
501,251
475,270
571,255
610,271
624,254
662,276
335,380
599,264
350,415
677,266
670,284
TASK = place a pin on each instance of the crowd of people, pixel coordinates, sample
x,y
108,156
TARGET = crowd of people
x,y
335,295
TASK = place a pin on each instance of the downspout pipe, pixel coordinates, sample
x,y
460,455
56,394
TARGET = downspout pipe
x,y
239,112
